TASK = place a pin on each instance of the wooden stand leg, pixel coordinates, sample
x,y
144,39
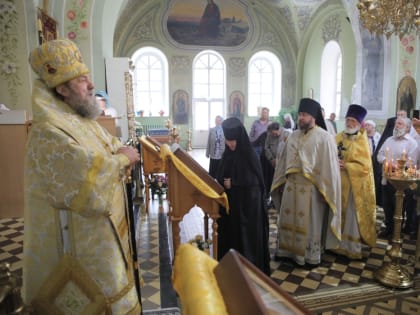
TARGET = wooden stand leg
x,y
176,238
214,236
206,226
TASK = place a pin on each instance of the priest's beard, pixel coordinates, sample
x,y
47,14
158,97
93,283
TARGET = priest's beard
x,y
86,107
351,131
304,126
398,132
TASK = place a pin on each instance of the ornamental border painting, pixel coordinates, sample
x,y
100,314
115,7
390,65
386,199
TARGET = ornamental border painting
x,y
207,22
180,107
406,95
236,105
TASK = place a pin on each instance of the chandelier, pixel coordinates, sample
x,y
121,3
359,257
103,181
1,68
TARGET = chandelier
x,y
389,17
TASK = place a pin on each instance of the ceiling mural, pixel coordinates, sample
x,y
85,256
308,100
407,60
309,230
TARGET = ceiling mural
x,y
211,23
186,22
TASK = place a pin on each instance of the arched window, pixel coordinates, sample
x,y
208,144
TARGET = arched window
x,y
208,88
150,82
331,76
264,83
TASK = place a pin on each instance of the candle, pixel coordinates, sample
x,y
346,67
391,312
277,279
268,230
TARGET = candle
x,y
391,167
386,167
404,155
386,153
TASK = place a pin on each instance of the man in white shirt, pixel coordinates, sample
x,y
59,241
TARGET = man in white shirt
x,y
400,143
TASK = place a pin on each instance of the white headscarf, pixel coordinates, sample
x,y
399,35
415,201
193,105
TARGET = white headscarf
x,y
289,116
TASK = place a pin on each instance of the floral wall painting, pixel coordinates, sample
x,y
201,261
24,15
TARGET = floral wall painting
x,y
47,27
77,18
208,22
408,58
406,95
180,107
236,105
9,40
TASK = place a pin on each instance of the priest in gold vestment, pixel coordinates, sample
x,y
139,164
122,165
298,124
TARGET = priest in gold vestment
x,y
357,186
309,177
77,250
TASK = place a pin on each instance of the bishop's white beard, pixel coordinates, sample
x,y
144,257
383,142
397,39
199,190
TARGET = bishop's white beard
x,y
88,108
398,132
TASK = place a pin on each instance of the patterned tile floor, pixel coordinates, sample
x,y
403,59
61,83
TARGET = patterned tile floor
x,y
313,287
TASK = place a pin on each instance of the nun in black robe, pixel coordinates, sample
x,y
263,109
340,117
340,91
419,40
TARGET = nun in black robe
x,y
245,227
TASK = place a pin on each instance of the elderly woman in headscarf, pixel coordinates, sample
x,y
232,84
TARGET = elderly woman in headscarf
x,y
245,226
288,122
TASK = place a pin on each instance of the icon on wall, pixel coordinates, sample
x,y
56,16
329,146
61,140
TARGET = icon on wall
x,y
47,27
406,95
236,107
180,107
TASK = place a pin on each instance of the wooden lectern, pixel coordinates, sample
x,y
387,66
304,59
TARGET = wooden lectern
x,y
110,125
247,290
190,185
152,162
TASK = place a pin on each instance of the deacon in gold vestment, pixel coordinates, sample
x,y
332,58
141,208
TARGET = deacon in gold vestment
x,y
357,186
310,211
77,250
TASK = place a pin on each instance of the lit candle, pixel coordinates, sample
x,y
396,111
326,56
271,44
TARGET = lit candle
x,y
391,168
386,167
386,153
404,155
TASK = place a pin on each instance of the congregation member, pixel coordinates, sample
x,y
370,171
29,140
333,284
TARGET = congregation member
x,y
372,134
377,167
330,126
309,177
358,202
399,145
244,227
373,140
103,100
77,236
331,119
258,128
276,135
289,123
215,145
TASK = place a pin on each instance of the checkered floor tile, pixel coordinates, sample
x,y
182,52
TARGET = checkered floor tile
x,y
154,250
335,270
11,244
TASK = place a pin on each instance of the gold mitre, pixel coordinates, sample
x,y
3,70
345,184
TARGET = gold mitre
x,y
57,61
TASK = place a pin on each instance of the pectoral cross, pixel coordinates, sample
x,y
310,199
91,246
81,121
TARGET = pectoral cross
x,y
340,149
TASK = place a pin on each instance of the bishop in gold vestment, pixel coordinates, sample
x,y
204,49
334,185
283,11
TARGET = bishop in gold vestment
x,y
357,186
77,250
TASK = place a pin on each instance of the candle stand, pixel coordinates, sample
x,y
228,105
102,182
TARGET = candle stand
x,y
392,273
